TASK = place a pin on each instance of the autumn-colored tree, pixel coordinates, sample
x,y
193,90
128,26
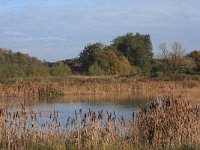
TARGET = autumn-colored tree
x,y
98,59
113,63
138,49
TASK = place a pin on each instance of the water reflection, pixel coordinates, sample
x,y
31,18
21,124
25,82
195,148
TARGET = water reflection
x,y
67,107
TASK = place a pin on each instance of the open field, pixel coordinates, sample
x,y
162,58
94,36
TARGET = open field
x,y
163,123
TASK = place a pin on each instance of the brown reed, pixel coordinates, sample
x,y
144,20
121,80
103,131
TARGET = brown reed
x,y
53,87
163,123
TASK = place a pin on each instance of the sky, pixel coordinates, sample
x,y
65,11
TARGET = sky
x,y
55,30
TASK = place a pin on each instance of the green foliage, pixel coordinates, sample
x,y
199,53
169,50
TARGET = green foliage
x,y
195,55
97,59
114,64
60,70
89,54
35,70
127,55
188,65
21,65
137,48
95,70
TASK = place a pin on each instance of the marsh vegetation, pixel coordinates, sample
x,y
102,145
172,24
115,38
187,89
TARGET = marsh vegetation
x,y
162,123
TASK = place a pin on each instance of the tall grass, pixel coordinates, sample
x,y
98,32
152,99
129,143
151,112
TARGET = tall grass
x,y
52,87
163,123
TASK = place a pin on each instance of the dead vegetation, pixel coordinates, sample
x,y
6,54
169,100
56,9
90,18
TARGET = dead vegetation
x,y
102,86
163,123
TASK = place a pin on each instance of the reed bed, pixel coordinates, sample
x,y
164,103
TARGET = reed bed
x,y
53,87
163,123
33,89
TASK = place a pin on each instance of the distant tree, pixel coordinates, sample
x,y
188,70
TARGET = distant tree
x,y
72,62
21,65
195,55
12,70
89,55
113,63
98,59
34,70
188,65
137,48
95,70
172,60
60,69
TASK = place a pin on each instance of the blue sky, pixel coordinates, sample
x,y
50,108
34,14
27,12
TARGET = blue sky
x,y
58,29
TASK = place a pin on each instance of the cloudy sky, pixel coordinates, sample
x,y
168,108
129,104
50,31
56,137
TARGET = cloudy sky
x,y
58,29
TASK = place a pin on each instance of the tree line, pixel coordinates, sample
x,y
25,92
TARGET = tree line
x,y
22,65
127,55
131,54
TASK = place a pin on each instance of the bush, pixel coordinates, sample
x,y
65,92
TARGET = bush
x,y
60,70
95,70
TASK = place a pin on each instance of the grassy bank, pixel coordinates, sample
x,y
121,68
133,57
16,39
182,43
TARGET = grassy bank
x,y
163,123
98,86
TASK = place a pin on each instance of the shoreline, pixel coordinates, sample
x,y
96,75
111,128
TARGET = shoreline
x,y
101,87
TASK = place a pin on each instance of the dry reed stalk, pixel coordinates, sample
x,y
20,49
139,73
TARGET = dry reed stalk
x,y
52,87
163,123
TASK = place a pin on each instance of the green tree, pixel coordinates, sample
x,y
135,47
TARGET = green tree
x,y
137,48
21,65
59,69
188,65
89,55
95,70
97,59
195,55
34,70
113,63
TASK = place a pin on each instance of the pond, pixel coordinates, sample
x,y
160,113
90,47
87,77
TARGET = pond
x,y
65,108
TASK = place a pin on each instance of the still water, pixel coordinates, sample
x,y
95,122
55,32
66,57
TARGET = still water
x,y
65,108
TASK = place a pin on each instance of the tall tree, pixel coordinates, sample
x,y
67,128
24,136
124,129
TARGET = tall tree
x,y
172,59
89,55
137,48
195,55
97,59
113,63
